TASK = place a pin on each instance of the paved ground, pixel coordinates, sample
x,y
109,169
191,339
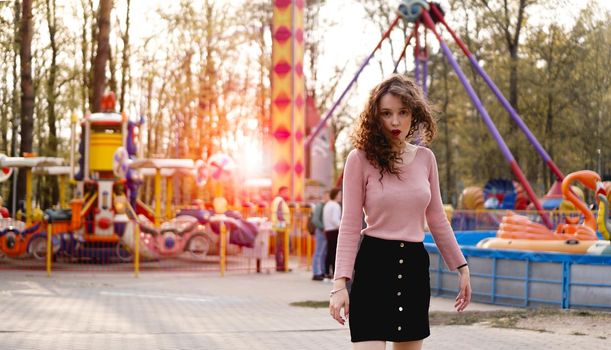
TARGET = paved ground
x,y
204,311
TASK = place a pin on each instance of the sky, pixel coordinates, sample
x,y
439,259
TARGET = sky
x,y
349,41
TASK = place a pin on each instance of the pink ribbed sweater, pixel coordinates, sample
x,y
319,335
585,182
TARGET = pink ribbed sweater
x,y
394,209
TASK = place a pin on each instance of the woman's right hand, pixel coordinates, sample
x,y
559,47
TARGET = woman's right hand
x,y
339,300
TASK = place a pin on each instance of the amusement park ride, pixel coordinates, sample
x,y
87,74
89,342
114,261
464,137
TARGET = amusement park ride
x,y
18,237
99,223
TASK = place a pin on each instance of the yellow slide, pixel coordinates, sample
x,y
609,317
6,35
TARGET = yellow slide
x,y
604,225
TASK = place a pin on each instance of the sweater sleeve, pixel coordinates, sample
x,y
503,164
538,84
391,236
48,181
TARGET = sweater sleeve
x,y
438,223
353,200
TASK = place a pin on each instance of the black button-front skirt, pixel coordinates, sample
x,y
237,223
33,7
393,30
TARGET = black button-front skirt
x,y
390,294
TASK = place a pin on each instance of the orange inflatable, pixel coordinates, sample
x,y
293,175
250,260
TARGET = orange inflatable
x,y
471,198
572,246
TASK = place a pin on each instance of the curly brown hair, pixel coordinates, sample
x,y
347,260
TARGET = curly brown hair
x,y
368,135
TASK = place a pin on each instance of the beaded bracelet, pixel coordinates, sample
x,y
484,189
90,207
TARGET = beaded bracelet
x,y
335,291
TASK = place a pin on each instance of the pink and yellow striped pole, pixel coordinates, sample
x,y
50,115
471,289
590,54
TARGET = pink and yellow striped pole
x,y
288,100
298,174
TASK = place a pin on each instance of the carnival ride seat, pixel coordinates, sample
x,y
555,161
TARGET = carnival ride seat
x,y
9,224
56,215
202,215
146,226
243,232
179,225
18,227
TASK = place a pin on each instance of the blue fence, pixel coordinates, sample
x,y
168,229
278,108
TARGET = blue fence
x,y
518,278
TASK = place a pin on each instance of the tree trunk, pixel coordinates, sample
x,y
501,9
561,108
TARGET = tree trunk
x,y
503,18
15,105
513,100
27,88
125,60
51,96
102,55
513,77
84,53
5,102
208,92
4,116
93,36
112,67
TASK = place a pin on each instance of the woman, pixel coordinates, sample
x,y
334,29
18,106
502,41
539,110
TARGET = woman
x,y
396,184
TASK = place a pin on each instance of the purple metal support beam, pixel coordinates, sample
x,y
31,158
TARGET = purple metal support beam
x,y
323,121
428,22
499,95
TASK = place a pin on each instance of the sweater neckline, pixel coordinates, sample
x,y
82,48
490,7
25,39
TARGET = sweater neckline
x,y
409,156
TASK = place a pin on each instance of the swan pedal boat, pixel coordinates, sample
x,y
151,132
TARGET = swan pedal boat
x,y
517,232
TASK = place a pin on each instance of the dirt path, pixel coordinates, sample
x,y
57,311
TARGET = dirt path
x,y
572,322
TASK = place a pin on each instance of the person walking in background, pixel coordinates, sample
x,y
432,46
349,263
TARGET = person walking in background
x,y
320,251
396,184
281,219
332,215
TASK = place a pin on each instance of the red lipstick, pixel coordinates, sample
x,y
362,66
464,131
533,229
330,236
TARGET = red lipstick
x,y
396,132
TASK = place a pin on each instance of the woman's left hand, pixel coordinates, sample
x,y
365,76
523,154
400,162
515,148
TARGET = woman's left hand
x,y
464,295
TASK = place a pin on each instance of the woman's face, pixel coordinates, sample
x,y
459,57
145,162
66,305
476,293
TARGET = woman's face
x,y
396,117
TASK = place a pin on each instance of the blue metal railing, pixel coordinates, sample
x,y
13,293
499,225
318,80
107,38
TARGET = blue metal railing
x,y
564,281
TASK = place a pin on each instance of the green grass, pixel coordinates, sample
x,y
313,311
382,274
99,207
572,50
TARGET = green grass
x,y
311,304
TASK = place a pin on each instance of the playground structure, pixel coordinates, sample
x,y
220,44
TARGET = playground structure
x,y
86,228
